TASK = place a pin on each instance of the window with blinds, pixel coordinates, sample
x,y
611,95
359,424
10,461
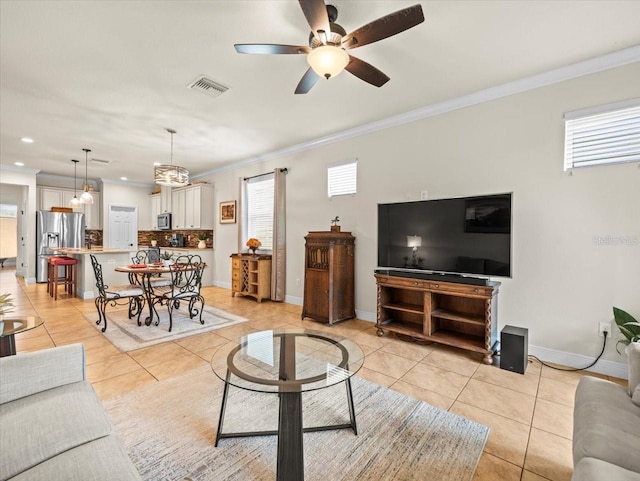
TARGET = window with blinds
x,y
342,179
259,195
605,135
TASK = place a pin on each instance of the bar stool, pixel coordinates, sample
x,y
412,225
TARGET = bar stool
x,y
69,279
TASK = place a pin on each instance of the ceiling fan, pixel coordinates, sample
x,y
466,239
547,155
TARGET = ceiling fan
x,y
328,43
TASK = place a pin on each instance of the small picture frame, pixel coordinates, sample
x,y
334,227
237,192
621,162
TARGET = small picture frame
x,y
228,212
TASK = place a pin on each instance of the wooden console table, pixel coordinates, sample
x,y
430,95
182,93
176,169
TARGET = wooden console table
x,y
456,314
251,276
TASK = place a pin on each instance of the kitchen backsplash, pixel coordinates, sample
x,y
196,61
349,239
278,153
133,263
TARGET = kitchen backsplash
x,y
190,237
146,236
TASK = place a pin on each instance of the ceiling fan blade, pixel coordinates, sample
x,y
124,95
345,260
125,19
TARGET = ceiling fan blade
x,y
366,72
307,81
315,11
384,27
269,48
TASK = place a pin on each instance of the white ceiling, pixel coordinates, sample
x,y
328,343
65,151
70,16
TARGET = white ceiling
x,y
112,75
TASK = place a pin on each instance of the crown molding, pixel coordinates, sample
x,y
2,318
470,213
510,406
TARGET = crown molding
x,y
15,168
550,77
124,182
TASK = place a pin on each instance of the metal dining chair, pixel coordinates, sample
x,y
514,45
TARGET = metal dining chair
x,y
131,294
146,257
186,282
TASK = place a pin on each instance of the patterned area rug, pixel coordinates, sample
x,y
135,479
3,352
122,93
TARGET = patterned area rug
x,y
126,335
169,429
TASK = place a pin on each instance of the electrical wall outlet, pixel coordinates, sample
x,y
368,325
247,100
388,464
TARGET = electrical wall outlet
x,y
424,194
604,327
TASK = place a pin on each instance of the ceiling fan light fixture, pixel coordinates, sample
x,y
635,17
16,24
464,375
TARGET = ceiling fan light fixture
x,y
328,60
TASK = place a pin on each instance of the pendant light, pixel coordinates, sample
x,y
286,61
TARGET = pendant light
x,y
171,175
75,202
86,197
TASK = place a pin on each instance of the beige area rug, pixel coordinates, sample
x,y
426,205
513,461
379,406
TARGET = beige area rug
x,y
169,429
126,335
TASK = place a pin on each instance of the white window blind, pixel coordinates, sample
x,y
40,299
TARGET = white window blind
x,y
260,192
599,138
342,179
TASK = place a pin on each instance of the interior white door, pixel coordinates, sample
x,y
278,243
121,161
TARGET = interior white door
x,y
123,227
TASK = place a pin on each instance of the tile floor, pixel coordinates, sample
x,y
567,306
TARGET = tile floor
x,y
530,415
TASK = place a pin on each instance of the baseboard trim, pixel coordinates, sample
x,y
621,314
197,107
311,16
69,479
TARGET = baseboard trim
x,y
603,366
606,367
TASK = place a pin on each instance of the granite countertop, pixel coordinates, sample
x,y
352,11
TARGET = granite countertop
x,y
107,250
179,249
93,250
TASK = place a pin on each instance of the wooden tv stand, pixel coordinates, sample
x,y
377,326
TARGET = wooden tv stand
x,y
456,314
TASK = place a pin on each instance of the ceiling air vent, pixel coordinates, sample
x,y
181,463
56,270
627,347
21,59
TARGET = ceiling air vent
x,y
100,162
208,86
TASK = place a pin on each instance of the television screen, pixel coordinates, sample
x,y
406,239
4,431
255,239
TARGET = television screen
x,y
470,235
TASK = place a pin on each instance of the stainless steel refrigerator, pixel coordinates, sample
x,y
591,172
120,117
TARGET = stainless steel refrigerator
x,y
53,230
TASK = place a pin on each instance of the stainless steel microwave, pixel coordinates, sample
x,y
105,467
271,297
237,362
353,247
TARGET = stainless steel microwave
x,y
164,221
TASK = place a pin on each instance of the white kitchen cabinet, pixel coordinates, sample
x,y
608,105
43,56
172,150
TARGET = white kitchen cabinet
x,y
156,208
178,215
192,207
93,212
55,197
165,198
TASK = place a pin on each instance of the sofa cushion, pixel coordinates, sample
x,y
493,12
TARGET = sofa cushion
x,y
38,427
606,424
101,460
31,372
591,469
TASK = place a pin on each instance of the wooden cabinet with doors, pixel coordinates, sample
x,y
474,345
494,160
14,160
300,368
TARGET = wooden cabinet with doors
x,y
329,287
251,275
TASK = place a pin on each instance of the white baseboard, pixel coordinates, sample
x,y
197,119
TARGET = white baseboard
x,y
608,368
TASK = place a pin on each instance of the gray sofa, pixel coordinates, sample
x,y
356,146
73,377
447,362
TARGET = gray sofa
x,y
606,427
53,424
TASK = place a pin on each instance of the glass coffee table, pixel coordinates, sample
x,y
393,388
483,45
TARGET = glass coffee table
x,y
288,362
12,326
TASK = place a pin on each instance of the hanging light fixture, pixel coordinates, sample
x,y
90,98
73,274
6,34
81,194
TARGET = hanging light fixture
x,y
86,197
75,202
171,175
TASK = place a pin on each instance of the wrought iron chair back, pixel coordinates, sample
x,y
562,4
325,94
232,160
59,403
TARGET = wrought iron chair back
x,y
132,294
186,282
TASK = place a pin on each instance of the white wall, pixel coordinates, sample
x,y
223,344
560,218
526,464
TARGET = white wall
x,y
563,283
26,179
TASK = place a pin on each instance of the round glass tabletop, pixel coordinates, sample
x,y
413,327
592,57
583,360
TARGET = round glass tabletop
x,y
10,326
287,360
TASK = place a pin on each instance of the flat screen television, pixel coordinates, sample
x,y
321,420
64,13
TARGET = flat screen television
x,y
469,235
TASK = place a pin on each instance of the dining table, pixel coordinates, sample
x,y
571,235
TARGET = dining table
x,y
142,275
146,276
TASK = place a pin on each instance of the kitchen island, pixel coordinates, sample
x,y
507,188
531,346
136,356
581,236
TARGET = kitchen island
x,y
111,258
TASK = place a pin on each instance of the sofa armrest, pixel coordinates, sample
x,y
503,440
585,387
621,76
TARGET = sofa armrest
x,y
32,372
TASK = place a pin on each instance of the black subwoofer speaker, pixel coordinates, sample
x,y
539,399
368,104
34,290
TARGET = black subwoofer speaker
x,y
514,348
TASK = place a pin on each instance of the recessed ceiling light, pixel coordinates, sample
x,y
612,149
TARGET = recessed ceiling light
x,y
27,140
19,164
123,178
157,163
